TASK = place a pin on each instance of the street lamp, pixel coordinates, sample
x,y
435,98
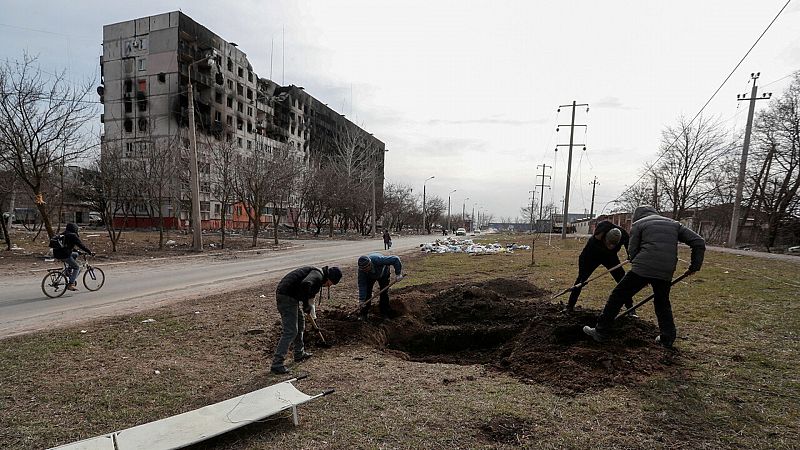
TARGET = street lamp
x,y
448,210
424,218
463,212
472,221
194,175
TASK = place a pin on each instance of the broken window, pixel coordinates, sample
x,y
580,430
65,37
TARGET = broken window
x,y
229,120
128,125
217,116
218,97
249,76
249,94
250,111
128,86
249,145
230,102
249,127
239,141
240,72
128,105
143,86
230,85
239,89
142,124
162,77
240,107
230,65
239,123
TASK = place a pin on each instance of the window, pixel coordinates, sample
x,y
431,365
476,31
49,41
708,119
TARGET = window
x,y
250,111
143,44
218,97
239,89
239,141
249,145
249,94
162,77
249,127
129,149
230,85
249,76
239,124
217,116
128,125
240,72
240,107
230,65
142,124
128,105
229,121
216,208
142,64
230,102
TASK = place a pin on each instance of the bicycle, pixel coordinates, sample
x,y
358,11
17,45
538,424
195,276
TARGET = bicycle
x,y
54,284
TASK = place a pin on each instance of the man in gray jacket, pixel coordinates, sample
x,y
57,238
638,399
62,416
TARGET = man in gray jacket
x,y
653,251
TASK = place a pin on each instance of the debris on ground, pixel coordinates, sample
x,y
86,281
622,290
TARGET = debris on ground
x,y
148,320
455,245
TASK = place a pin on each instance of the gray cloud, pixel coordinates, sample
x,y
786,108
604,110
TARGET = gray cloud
x,y
609,102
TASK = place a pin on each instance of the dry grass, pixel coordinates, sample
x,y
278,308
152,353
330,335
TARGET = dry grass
x,y
739,387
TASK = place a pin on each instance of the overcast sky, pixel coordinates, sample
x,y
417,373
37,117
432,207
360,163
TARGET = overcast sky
x,y
467,91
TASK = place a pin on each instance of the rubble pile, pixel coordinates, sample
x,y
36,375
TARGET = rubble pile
x,y
455,245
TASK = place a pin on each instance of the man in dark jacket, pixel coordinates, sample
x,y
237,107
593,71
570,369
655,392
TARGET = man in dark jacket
x,y
298,287
653,253
68,254
371,268
601,248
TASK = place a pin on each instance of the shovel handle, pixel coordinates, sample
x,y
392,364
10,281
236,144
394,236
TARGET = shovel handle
x,y
649,297
580,285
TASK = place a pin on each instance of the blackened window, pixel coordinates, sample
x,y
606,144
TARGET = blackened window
x,y
128,125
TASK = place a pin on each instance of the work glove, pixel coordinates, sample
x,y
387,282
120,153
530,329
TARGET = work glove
x,y
692,269
398,277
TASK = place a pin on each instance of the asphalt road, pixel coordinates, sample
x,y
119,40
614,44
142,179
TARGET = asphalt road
x,y
141,285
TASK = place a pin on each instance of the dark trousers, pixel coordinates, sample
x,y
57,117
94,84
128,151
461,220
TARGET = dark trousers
x,y
387,245
624,292
384,300
587,263
293,324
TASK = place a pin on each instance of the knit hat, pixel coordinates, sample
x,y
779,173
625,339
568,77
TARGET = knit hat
x,y
71,228
613,236
334,274
364,263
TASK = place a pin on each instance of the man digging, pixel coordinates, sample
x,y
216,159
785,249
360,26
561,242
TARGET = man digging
x,y
653,253
601,248
372,268
299,286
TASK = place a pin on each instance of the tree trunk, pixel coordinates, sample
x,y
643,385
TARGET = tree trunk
x,y
42,208
222,226
5,233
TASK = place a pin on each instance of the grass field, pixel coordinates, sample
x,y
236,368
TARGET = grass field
x,y
737,384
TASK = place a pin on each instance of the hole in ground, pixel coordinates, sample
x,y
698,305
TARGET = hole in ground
x,y
526,337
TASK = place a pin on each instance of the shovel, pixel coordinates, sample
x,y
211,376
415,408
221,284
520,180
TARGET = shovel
x,y
323,344
376,295
650,297
580,285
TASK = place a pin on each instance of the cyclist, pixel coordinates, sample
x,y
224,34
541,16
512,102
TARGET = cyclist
x,y
68,254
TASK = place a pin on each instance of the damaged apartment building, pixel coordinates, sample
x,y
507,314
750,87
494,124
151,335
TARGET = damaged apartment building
x,y
145,71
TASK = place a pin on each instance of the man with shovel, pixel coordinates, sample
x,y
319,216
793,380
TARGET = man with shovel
x,y
371,268
653,253
600,249
298,287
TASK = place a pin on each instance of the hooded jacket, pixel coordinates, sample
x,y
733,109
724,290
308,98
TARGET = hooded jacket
x,y
302,284
380,269
654,241
71,239
596,248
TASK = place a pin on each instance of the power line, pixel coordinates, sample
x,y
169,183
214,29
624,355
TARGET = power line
x,y
709,99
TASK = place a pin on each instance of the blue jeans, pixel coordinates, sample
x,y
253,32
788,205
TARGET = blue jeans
x,y
293,324
74,268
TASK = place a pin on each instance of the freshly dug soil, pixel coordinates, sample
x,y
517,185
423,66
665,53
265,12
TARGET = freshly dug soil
x,y
525,336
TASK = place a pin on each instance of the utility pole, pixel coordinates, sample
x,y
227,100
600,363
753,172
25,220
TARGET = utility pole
x,y
591,209
542,186
655,192
424,218
743,163
569,160
448,210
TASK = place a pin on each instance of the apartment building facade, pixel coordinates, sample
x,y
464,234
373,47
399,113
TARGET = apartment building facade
x,y
146,67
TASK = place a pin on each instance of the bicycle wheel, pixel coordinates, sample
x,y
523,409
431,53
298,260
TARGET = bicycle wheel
x,y
54,284
93,278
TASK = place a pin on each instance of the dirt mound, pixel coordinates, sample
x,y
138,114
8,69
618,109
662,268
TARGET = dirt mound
x,y
513,287
506,430
527,337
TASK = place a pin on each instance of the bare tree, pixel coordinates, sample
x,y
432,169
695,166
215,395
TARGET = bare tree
x,y
777,161
154,170
283,170
434,207
223,173
6,192
688,156
43,122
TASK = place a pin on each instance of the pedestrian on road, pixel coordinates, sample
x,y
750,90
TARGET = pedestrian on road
x,y
297,289
371,268
68,254
601,249
653,253
387,240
